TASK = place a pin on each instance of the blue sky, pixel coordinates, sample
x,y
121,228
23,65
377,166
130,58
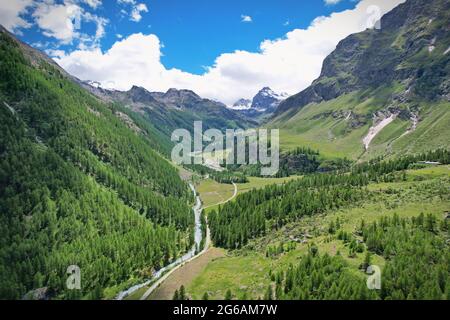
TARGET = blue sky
x,y
195,32
223,49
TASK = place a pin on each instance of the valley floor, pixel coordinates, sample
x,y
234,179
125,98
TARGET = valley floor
x,y
246,272
212,194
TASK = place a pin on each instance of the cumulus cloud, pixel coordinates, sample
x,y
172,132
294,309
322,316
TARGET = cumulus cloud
x,y
59,21
10,14
288,64
245,18
62,21
55,53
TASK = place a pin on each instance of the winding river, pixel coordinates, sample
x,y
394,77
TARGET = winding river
x,y
197,208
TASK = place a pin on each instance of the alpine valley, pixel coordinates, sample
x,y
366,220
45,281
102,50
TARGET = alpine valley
x,y
86,179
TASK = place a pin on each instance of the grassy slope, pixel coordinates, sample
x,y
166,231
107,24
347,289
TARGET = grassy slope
x,y
212,192
315,127
423,192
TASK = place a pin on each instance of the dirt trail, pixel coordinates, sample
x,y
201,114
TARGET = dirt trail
x,y
185,274
188,256
228,200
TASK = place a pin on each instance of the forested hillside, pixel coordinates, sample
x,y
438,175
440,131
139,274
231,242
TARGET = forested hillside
x,y
314,237
80,184
409,245
255,213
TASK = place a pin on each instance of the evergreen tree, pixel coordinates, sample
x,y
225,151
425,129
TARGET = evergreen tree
x,y
228,295
176,295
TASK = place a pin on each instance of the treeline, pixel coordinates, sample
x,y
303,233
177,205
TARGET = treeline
x,y
78,187
254,213
304,160
319,277
276,250
298,161
378,167
226,177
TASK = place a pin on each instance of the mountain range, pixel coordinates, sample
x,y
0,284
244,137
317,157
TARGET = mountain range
x,y
85,176
173,109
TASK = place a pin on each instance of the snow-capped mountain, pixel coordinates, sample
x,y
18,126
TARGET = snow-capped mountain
x,y
263,104
267,100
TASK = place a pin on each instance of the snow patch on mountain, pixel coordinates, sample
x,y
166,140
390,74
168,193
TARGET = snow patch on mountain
x,y
94,84
266,100
380,122
242,104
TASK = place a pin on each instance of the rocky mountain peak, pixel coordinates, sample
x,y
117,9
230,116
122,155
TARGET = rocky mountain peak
x,y
183,94
267,99
140,94
409,49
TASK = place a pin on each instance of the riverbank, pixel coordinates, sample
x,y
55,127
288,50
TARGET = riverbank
x,y
164,272
185,274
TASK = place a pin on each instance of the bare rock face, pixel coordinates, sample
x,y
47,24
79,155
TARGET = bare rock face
x,y
172,109
397,53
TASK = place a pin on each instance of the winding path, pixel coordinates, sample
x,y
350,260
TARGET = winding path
x,y
223,202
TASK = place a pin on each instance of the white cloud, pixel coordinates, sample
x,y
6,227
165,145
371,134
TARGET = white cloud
x,y
59,21
62,21
245,18
10,14
137,10
288,64
93,3
332,2
100,22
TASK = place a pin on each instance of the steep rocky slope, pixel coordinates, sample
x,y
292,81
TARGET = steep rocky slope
x,y
174,109
399,72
